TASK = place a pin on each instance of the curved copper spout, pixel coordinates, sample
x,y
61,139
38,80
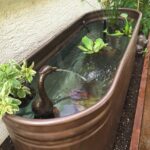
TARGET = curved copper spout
x,y
43,107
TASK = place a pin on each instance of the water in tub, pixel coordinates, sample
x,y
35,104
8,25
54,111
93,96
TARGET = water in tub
x,y
84,79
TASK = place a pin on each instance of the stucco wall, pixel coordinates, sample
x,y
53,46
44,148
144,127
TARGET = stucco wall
x,y
27,24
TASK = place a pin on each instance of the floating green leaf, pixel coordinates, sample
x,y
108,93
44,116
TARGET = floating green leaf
x,y
98,45
87,42
89,46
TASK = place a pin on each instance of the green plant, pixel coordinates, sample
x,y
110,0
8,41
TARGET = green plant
x,y
144,7
7,103
116,33
108,5
13,85
126,30
140,5
89,46
144,51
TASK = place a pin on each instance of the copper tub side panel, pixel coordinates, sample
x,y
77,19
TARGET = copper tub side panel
x,y
93,128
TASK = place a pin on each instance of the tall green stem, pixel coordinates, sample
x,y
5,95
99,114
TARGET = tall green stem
x,y
138,4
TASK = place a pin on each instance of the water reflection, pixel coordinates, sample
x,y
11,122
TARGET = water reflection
x,y
83,79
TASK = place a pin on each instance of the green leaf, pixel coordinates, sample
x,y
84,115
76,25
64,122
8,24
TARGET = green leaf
x,y
21,93
124,15
16,84
82,48
87,42
8,105
5,90
27,72
98,44
15,101
116,33
106,31
89,52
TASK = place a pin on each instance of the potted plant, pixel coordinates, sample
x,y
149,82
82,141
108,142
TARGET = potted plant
x,y
15,91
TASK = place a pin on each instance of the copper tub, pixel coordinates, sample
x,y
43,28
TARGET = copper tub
x,y
93,128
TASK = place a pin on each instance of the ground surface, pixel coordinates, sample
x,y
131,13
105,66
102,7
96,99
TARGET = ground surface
x,y
123,137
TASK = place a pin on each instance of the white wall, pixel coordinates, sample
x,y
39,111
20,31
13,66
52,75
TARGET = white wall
x,y
27,24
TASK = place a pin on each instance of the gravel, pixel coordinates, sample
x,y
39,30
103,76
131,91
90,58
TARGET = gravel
x,y
123,137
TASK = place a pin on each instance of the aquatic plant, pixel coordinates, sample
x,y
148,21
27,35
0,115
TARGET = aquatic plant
x,y
126,30
140,5
89,46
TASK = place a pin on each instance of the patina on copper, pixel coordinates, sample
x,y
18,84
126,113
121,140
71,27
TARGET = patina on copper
x,y
93,128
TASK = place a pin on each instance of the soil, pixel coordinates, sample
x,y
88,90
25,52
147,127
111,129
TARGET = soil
x,y
123,137
7,145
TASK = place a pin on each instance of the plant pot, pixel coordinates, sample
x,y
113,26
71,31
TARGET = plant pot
x,y
93,128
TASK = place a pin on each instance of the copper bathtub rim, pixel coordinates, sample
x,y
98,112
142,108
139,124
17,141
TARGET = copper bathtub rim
x,y
58,121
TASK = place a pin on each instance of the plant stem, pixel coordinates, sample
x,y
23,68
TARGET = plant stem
x,y
138,4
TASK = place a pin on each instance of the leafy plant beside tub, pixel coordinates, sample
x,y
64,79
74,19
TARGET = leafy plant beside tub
x,y
14,80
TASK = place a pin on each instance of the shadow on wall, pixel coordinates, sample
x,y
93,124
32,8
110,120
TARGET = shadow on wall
x,y
9,7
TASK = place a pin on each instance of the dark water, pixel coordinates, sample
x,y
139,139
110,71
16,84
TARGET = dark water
x,y
88,77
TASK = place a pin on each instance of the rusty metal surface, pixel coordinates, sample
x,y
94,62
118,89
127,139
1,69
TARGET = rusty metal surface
x,y
93,128
143,95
